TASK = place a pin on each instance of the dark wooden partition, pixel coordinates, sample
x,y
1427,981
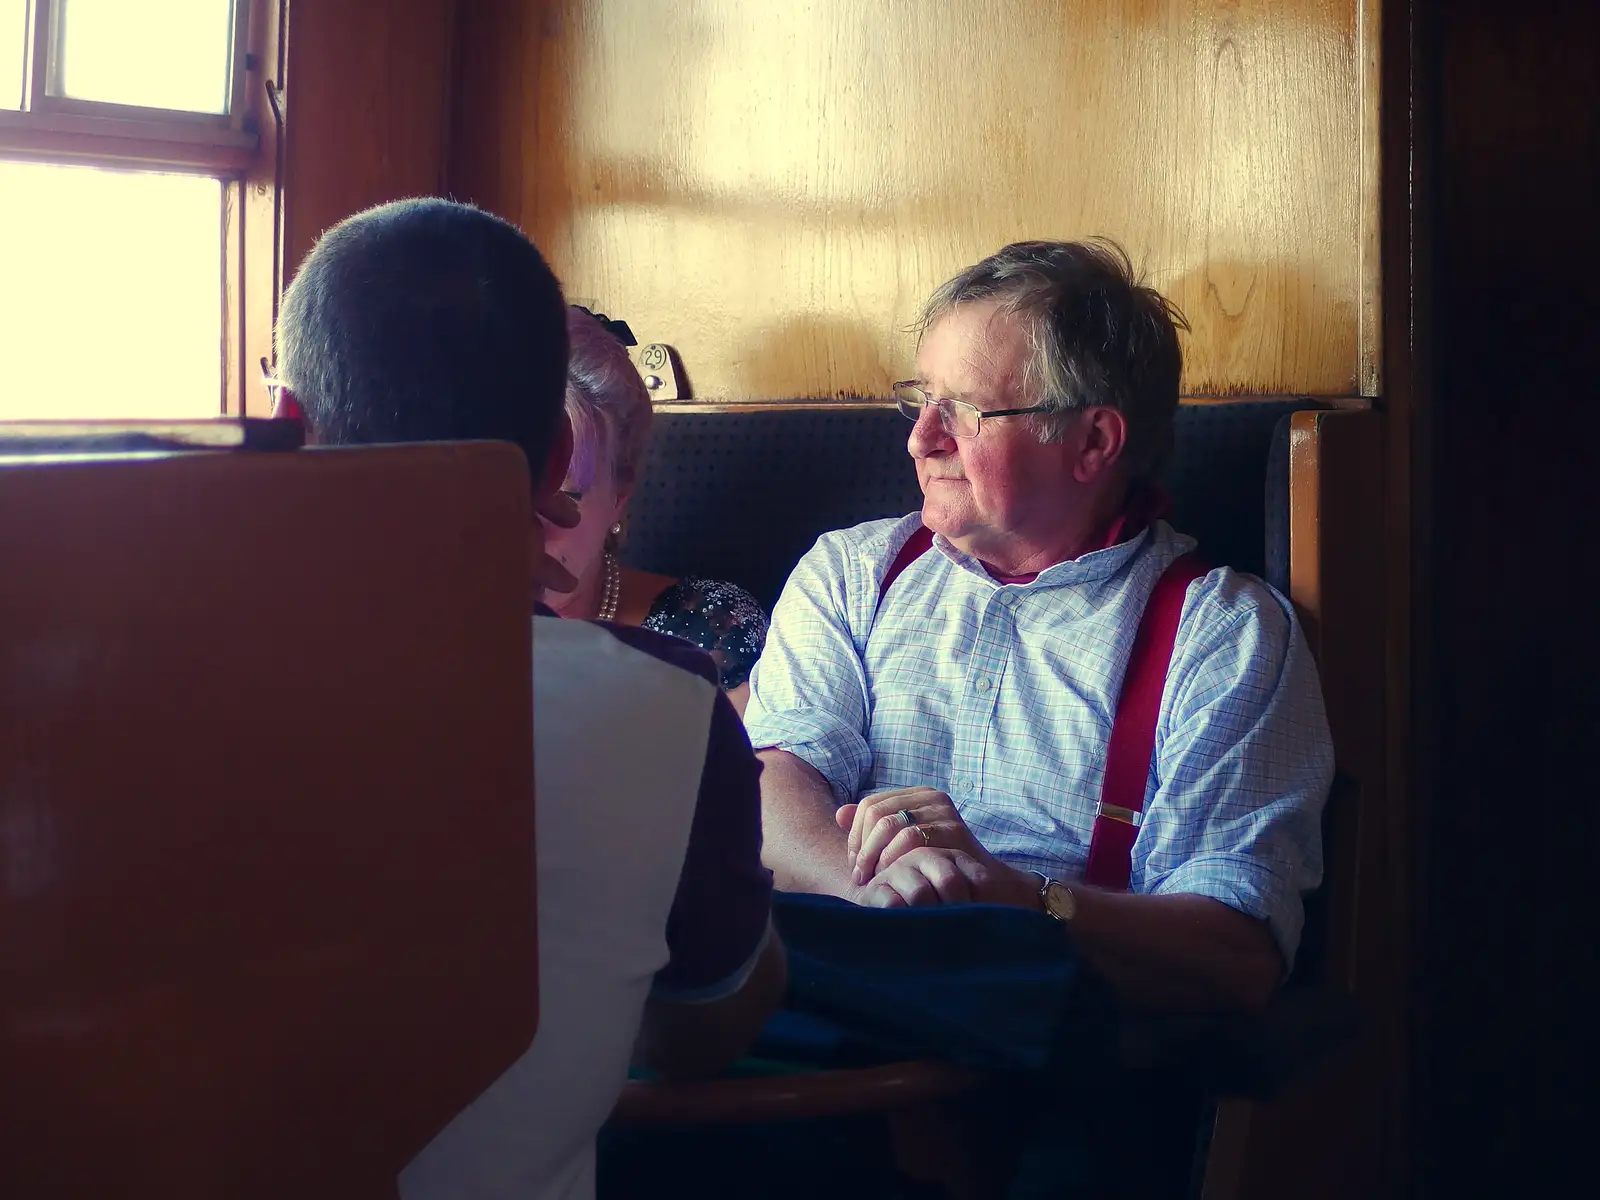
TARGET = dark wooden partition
x,y
1507,724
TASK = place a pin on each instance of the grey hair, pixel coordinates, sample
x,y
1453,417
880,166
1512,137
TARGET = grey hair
x,y
606,402
1098,336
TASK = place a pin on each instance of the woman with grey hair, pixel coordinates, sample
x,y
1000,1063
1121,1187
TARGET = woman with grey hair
x,y
610,413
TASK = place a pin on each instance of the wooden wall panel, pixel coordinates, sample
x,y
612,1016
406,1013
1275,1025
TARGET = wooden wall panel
x,y
773,188
367,103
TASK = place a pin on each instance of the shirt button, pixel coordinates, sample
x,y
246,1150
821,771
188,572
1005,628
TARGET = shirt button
x,y
1009,599
982,684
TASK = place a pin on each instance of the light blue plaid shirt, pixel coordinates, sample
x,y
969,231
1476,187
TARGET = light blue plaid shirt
x,y
1003,697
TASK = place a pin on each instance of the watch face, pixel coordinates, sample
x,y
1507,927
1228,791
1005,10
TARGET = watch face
x,y
1060,903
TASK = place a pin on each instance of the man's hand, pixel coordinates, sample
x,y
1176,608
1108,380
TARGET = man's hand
x,y
927,876
933,860
562,511
880,835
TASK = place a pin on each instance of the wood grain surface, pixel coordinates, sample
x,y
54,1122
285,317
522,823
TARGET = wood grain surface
x,y
367,103
773,189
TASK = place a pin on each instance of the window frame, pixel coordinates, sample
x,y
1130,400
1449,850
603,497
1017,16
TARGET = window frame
x,y
240,148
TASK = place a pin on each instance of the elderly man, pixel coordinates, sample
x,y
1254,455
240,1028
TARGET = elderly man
x,y
426,320
938,693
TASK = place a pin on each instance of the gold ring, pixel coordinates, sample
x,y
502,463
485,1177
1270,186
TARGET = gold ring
x,y
926,840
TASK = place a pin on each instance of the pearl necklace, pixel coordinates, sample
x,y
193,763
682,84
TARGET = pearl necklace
x,y
612,590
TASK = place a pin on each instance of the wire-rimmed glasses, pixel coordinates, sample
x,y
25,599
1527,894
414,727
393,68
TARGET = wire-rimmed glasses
x,y
958,418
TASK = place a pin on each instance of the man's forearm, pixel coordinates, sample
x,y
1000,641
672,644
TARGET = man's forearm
x,y
802,844
1177,952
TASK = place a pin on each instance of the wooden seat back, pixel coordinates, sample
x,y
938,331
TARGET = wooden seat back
x,y
266,819
1322,1137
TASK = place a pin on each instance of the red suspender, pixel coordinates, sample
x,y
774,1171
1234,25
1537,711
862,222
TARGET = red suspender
x,y
918,544
1133,730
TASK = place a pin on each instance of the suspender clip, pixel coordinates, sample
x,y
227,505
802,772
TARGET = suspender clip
x,y
1115,812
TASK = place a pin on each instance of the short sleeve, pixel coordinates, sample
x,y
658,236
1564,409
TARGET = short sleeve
x,y
717,925
808,695
1244,763
721,618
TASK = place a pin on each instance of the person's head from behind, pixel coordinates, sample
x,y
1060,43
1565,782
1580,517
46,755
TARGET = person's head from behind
x,y
427,320
609,410
1067,331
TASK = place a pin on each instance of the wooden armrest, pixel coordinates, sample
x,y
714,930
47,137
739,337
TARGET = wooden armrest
x,y
752,1099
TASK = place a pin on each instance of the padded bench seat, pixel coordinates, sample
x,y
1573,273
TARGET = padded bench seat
x,y
742,494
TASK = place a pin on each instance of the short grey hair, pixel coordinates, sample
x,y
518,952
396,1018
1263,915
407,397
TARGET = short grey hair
x,y
1099,336
426,320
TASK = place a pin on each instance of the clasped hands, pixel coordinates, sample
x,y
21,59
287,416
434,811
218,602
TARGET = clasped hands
x,y
934,859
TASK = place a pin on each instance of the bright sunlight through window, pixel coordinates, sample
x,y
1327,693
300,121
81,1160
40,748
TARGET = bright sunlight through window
x,y
110,293
152,53
13,49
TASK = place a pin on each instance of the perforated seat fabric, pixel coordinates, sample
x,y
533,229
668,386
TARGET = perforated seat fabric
x,y
742,495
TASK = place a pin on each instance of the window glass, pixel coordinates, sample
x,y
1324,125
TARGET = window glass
x,y
151,53
111,296
13,50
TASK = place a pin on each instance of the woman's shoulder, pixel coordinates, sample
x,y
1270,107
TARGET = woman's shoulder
x,y
717,616
694,593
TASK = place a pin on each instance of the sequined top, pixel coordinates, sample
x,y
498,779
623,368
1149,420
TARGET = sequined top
x,y
721,618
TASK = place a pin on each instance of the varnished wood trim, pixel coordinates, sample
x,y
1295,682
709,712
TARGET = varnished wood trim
x,y
239,50
205,124
756,406
1305,518
1369,320
113,142
233,301
743,1101
261,202
1336,569
41,27
1407,215
1348,403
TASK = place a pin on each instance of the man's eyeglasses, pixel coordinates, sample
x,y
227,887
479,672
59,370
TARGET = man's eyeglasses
x,y
958,418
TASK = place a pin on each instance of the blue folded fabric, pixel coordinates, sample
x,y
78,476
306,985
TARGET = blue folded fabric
x,y
978,985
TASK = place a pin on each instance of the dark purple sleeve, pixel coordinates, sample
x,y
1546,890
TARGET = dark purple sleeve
x,y
718,919
719,916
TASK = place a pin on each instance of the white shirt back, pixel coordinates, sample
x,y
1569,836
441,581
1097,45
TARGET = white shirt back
x,y
620,745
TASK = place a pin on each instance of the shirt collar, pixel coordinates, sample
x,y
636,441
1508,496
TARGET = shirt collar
x,y
1111,547
1147,503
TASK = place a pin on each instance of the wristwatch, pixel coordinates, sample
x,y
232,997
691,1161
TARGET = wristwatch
x,y
1057,898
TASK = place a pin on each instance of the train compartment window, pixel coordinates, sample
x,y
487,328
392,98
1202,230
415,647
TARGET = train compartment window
x,y
13,52
111,305
139,206
173,55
